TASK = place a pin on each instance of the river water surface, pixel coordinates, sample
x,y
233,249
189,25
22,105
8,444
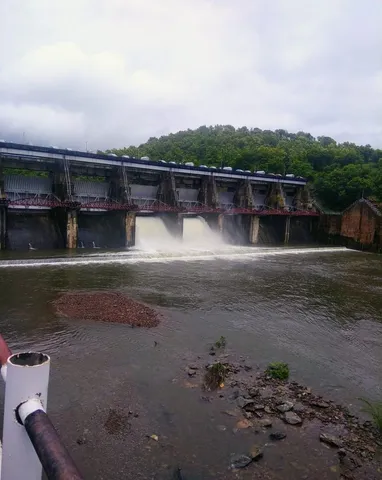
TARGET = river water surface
x,y
317,309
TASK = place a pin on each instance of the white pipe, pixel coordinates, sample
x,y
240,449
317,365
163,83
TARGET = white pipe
x,y
27,378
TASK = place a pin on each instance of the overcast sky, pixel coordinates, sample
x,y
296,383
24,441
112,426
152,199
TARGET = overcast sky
x,y
115,72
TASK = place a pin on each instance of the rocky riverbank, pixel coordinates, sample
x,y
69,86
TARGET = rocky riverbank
x,y
286,411
106,307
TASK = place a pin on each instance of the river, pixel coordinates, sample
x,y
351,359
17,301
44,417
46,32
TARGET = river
x,y
318,309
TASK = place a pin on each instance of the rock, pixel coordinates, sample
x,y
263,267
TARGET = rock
x,y
256,453
319,404
254,407
331,440
277,435
370,449
285,407
212,353
248,415
242,424
265,423
292,418
268,410
266,393
243,402
231,413
240,461
353,438
247,368
193,366
349,463
221,428
253,392
341,452
299,408
191,372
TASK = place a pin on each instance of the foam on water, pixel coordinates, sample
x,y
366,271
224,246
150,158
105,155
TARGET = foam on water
x,y
137,256
155,244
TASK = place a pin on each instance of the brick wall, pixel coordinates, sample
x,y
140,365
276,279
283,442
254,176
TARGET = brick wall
x,y
360,223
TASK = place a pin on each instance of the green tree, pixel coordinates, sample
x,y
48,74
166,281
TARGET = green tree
x,y
340,172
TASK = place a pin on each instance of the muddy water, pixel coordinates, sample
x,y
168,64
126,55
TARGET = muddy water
x,y
318,310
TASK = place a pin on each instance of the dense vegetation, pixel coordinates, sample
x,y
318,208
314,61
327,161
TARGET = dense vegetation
x,y
340,172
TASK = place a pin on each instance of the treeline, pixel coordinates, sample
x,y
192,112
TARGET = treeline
x,y
339,173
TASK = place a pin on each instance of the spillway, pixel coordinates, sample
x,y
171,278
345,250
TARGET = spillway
x,y
197,233
152,234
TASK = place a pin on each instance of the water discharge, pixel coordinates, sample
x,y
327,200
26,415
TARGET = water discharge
x,y
151,234
198,234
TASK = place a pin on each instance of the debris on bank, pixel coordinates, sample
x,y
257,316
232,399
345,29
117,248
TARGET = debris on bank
x,y
258,399
106,307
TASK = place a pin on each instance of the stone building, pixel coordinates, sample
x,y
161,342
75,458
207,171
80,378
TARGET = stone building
x,y
361,225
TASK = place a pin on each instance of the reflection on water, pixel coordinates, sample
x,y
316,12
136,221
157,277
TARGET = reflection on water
x,y
317,309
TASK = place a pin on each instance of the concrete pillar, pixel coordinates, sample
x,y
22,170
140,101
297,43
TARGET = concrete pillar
x,y
167,190
180,225
249,203
2,189
3,227
243,197
203,191
130,228
213,196
275,196
71,229
287,230
119,186
174,223
254,228
221,223
208,194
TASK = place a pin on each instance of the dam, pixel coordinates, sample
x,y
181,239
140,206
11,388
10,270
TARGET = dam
x,y
59,198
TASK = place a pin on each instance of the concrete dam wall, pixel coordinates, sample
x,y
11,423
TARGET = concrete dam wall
x,y
47,230
33,230
52,198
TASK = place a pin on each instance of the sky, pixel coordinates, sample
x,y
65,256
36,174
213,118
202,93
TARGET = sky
x,y
112,73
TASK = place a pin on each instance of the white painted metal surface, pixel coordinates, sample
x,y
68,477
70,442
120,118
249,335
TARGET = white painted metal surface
x,y
23,382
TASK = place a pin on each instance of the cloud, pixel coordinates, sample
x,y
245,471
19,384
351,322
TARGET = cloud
x,y
114,73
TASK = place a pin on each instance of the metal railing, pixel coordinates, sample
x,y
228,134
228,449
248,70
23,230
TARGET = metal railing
x,y
148,205
30,441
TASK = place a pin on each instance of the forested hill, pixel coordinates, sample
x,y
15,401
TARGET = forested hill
x,y
340,172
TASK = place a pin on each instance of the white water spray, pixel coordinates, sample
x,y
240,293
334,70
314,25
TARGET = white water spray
x,y
198,234
151,234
